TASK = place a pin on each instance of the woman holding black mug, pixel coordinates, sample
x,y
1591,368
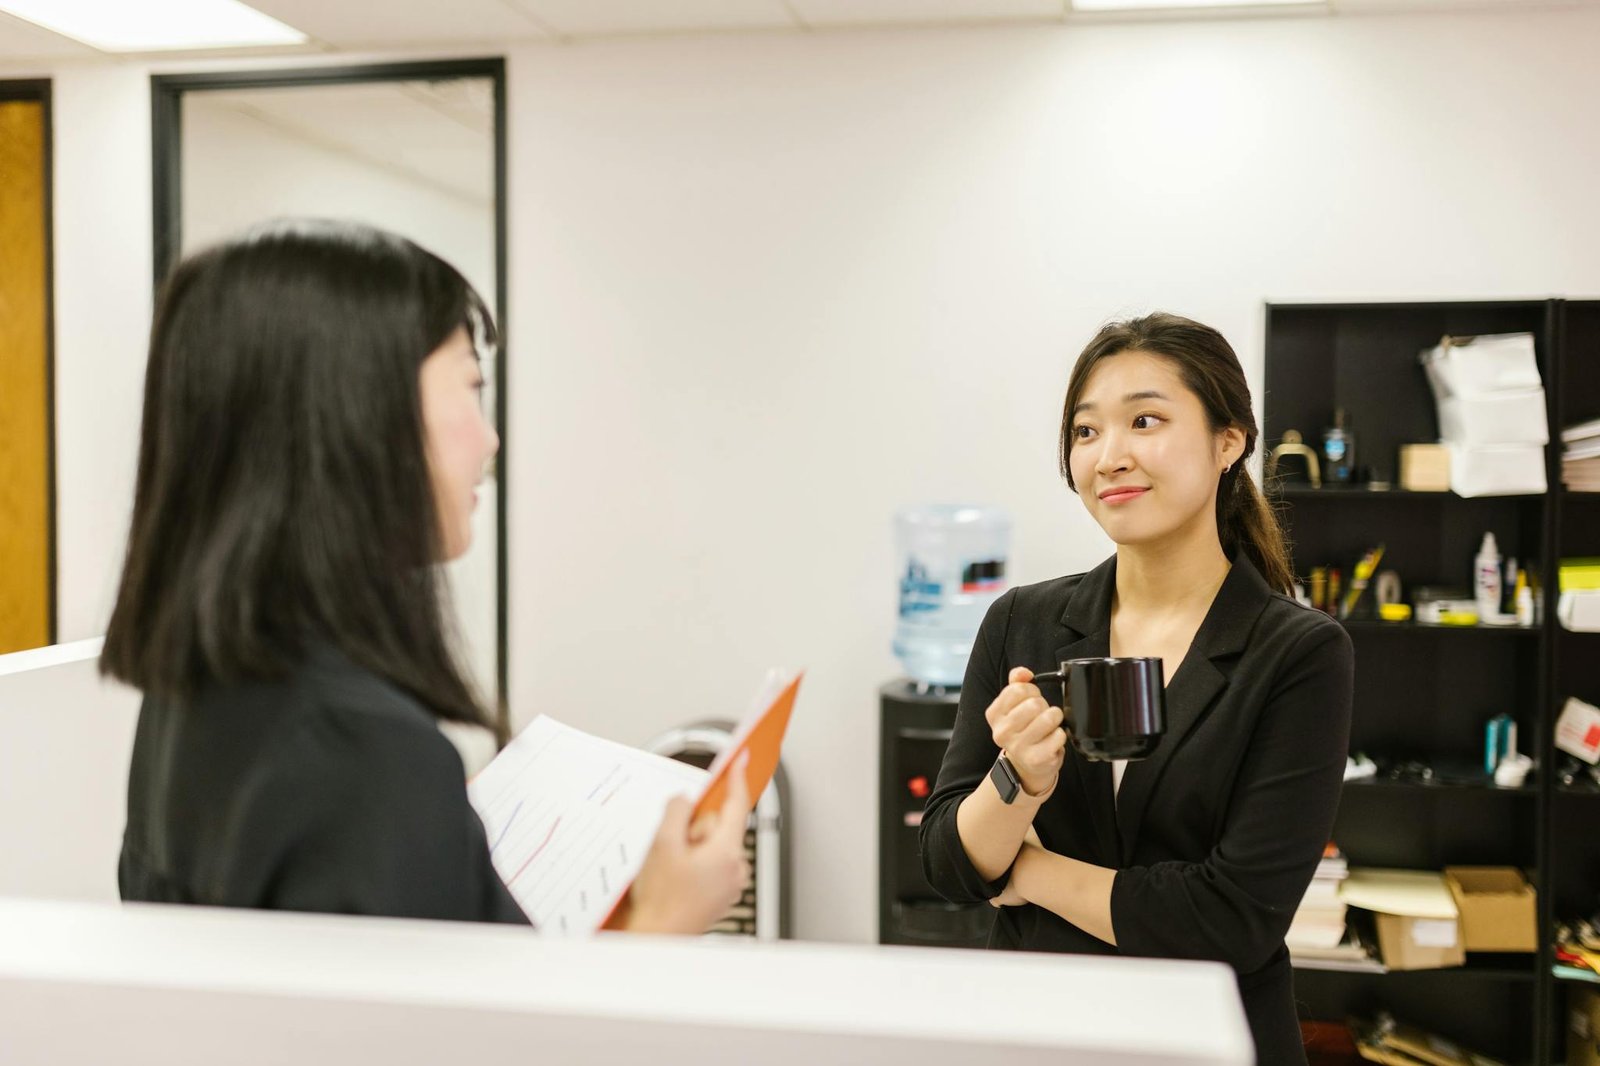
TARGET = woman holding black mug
x,y
1203,849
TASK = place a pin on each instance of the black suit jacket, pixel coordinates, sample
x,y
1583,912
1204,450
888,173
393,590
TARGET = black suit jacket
x,y
1215,836
327,790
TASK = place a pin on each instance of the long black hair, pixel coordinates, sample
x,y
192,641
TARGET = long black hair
x,y
1210,368
283,489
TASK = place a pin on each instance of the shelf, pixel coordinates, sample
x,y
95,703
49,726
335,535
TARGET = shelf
x,y
1365,966
1298,493
1362,358
1484,971
1380,784
1362,625
1588,793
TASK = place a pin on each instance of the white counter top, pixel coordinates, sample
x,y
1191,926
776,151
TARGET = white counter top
x,y
103,983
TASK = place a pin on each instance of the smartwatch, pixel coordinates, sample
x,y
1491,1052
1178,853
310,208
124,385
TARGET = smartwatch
x,y
1006,780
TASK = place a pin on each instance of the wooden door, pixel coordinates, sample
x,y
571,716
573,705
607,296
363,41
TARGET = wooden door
x,y
26,521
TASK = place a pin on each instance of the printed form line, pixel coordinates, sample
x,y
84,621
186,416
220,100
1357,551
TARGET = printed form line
x,y
505,828
536,851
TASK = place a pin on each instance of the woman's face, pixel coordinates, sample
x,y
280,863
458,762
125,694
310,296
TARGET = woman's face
x,y
460,440
1145,459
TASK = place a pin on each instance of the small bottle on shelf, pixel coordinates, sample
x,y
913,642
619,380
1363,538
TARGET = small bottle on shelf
x,y
1523,600
1338,452
1486,578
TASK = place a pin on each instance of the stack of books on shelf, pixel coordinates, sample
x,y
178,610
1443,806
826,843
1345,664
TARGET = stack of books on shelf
x,y
1580,457
1319,931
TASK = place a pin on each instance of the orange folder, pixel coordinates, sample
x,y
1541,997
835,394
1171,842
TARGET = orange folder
x,y
762,736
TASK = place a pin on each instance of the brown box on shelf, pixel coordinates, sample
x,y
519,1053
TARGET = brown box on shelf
x,y
1419,925
1424,468
1583,1025
1407,942
1498,907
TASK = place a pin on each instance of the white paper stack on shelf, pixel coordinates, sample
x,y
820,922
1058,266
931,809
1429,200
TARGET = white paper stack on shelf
x,y
1580,457
1491,407
1318,929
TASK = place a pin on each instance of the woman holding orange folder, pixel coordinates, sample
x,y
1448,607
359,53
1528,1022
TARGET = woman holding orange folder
x,y
1204,849
312,439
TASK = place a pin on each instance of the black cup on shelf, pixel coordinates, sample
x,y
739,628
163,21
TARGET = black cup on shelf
x,y
1116,707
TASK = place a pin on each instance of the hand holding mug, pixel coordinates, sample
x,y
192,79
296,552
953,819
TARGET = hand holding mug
x,y
1028,730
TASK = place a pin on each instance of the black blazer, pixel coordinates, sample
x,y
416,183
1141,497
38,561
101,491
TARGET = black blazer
x,y
329,790
1215,836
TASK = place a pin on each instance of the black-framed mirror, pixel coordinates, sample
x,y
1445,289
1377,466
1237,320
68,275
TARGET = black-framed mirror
x,y
418,148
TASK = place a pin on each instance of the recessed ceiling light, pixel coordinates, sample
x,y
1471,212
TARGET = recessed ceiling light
x,y
1142,5
155,25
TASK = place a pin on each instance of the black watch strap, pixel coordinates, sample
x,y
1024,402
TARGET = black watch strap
x,y
1006,780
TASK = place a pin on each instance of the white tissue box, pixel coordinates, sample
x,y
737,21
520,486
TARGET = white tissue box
x,y
1497,470
1495,418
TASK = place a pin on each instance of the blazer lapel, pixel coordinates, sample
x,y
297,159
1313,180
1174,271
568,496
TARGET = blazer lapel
x,y
1088,620
1193,690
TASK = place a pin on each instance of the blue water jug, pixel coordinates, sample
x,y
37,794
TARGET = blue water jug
x,y
952,567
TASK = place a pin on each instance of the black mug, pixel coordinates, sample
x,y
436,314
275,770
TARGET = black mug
x,y
1116,708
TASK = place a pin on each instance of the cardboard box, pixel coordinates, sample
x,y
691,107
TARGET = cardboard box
x,y
1498,908
1583,1025
1419,927
1424,468
1407,942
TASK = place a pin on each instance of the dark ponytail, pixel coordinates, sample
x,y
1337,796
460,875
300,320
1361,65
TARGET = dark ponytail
x,y
1211,370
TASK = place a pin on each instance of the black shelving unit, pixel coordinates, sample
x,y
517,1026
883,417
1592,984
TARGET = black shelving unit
x,y
1572,825
1425,691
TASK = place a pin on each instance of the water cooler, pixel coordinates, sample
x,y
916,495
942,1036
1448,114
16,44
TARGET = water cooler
x,y
915,721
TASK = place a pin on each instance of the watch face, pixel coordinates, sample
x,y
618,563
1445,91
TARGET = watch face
x,y
1005,778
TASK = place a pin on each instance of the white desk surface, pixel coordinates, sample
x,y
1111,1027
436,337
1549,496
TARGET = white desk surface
x,y
129,985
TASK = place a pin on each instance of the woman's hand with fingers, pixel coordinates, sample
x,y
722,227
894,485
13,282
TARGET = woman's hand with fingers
x,y
695,872
1029,730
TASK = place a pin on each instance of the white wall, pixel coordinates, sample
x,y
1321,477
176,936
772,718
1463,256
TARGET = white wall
x,y
66,736
103,275
766,288
239,171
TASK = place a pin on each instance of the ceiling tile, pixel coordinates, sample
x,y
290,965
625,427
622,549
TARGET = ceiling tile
x,y
359,23
594,18
924,12
24,40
